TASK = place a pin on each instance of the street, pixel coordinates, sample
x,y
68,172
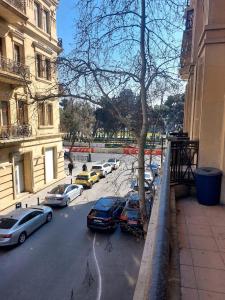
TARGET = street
x,y
64,260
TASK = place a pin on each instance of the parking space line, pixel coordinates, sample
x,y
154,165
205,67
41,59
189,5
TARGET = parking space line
x,y
98,271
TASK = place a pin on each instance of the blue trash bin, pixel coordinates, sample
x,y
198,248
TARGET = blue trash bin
x,y
208,185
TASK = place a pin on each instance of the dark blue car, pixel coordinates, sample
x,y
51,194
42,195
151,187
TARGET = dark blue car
x,y
105,213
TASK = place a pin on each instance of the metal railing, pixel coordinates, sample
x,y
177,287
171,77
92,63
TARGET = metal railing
x,y
15,131
60,42
18,4
11,66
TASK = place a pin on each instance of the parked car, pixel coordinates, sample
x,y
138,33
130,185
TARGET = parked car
x,y
130,218
154,167
115,163
149,181
16,226
63,194
102,169
105,213
87,179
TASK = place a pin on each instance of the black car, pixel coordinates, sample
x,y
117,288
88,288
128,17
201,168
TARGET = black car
x,y
130,218
105,213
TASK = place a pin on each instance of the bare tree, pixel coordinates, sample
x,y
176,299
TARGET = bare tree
x,y
123,44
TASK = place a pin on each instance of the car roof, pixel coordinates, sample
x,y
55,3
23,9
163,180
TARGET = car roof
x,y
84,173
98,164
20,212
133,196
105,203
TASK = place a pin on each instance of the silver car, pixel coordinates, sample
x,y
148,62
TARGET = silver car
x,y
16,226
63,194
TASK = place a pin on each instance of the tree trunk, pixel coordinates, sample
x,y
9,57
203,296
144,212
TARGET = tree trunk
x,y
143,133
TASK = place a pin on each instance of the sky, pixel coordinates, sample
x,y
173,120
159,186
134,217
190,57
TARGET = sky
x,y
65,23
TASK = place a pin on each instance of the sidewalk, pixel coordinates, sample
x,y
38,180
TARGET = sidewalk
x,y
32,199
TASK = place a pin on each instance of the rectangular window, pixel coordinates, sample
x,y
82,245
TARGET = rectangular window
x,y
37,14
41,114
46,21
47,69
38,65
4,113
49,120
17,57
21,112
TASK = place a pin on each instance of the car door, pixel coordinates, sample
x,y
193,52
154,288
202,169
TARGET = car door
x,y
75,191
69,193
37,219
27,224
94,176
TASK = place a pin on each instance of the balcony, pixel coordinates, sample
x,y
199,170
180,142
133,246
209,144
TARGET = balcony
x,y
13,11
13,72
18,4
15,132
186,49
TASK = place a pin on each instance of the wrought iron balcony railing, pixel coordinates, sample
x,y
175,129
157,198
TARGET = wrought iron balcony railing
x,y
18,4
15,131
60,42
11,66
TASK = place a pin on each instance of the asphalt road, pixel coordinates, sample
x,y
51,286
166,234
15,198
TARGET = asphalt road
x,y
63,260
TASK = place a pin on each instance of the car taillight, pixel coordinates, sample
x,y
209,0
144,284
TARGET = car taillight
x,y
123,218
5,236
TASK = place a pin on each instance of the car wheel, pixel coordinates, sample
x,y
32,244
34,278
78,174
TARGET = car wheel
x,y
81,191
68,202
22,238
90,186
104,175
49,217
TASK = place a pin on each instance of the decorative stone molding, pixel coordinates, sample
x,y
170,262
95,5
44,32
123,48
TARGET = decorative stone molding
x,y
42,47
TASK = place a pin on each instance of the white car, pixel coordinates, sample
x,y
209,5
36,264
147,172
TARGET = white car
x,y
149,178
63,194
115,163
102,169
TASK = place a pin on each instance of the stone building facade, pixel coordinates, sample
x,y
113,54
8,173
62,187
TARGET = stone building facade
x,y
31,154
203,66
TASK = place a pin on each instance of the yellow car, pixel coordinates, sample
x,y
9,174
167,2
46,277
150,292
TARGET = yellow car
x,y
87,179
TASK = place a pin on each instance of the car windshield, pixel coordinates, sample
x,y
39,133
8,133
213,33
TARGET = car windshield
x,y
96,167
132,214
111,160
7,223
60,189
133,204
99,213
82,177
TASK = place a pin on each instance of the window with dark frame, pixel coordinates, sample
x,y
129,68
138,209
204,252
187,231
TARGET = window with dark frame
x,y
41,114
37,14
49,115
21,112
46,24
48,69
38,65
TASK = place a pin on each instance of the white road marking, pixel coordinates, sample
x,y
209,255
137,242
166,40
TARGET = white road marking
x,y
98,271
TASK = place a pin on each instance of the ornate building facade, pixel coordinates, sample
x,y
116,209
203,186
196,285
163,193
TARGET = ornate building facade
x,y
31,154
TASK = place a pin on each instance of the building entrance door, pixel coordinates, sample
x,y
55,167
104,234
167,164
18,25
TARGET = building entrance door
x,y
19,177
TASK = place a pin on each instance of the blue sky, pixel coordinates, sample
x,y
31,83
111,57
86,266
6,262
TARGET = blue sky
x,y
65,23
